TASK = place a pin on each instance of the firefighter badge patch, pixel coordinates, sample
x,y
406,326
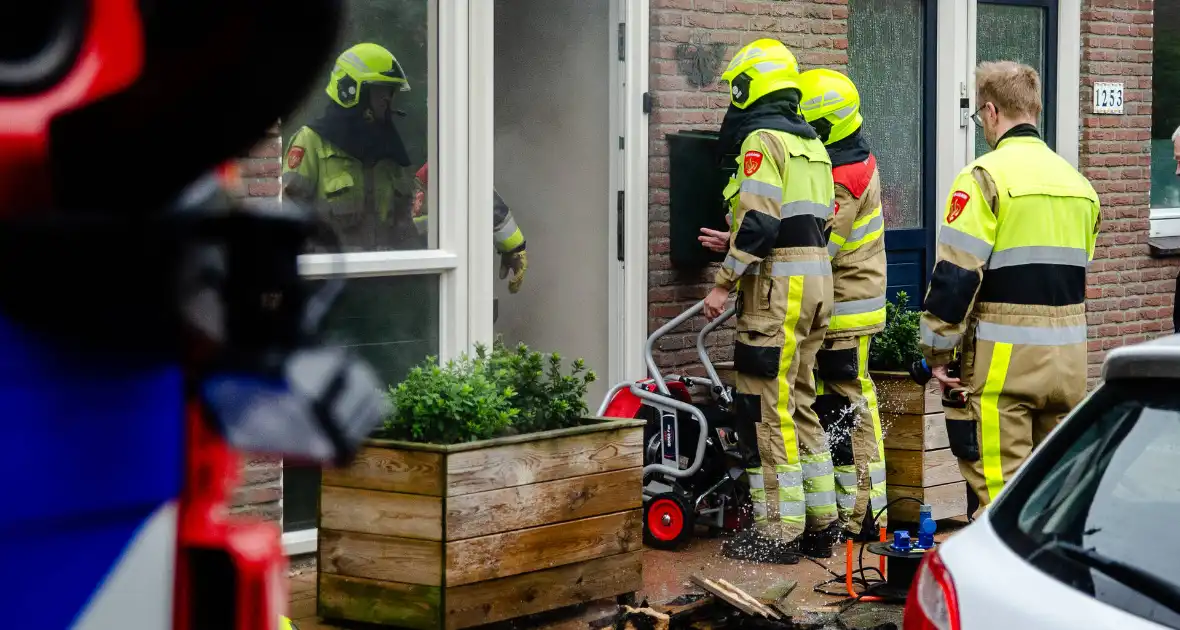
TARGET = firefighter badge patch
x,y
752,162
958,203
294,157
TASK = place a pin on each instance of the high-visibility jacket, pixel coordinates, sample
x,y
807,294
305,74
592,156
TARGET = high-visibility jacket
x,y
1013,248
786,193
505,233
857,247
362,201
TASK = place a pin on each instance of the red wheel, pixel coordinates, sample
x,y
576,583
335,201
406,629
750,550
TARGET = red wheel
x,y
668,521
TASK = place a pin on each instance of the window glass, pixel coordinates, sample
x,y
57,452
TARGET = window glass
x,y
355,148
393,323
1097,492
885,46
1011,33
1165,108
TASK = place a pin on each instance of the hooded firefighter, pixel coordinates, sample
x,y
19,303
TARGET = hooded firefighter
x,y
780,198
846,400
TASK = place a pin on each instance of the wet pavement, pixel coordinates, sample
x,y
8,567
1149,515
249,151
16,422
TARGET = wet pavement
x,y
666,575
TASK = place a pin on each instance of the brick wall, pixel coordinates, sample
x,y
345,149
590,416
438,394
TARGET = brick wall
x,y
816,31
1130,294
261,490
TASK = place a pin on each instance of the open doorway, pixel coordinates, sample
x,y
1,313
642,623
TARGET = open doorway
x,y
557,166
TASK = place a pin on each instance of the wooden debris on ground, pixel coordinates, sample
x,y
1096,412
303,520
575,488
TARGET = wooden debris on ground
x,y
736,597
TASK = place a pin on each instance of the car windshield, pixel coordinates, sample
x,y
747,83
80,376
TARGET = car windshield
x,y
1099,506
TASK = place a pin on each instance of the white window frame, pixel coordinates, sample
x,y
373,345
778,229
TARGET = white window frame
x,y
459,134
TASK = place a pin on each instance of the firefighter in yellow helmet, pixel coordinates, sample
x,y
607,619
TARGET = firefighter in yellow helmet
x,y
846,400
350,164
1009,285
780,198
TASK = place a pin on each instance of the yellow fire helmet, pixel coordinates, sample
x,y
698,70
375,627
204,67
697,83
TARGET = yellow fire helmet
x,y
287,624
361,65
761,67
831,98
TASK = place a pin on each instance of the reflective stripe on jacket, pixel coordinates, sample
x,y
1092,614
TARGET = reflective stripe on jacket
x,y
857,247
781,197
1013,248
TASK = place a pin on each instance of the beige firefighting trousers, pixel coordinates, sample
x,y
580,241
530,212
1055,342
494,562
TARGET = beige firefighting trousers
x,y
780,328
855,436
1017,393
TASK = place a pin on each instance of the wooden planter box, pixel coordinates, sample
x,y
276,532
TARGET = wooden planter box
x,y
918,459
426,536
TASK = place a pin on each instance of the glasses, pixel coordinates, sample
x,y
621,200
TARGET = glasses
x,y
975,117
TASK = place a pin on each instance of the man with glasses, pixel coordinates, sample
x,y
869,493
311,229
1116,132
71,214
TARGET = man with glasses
x,y
1009,285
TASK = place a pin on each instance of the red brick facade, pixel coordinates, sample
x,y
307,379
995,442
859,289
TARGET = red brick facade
x,y
1130,294
261,491
817,32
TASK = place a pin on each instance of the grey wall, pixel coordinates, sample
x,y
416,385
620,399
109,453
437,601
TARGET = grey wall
x,y
552,168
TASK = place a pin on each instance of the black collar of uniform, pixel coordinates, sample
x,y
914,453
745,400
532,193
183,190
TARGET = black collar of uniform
x,y
777,111
369,142
849,150
1023,130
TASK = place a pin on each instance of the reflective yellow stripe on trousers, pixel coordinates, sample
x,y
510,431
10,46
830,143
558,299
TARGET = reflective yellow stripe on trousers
x,y
1005,336
878,498
791,498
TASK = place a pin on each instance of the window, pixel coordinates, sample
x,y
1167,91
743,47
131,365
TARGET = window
x,y
1023,31
1100,488
366,142
1165,108
891,83
362,167
392,322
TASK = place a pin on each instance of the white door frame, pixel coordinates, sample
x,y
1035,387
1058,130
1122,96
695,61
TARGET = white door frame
x,y
633,333
957,27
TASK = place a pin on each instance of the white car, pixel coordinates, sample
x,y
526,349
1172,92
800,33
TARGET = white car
x,y
1087,534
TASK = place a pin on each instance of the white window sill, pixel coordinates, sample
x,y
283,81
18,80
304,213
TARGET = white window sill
x,y
299,542
1164,235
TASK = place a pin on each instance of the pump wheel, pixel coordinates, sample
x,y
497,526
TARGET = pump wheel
x,y
668,521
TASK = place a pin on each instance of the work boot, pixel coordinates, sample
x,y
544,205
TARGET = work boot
x,y
751,546
819,544
868,532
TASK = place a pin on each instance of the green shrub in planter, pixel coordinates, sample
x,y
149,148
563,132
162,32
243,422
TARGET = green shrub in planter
x,y
896,347
493,393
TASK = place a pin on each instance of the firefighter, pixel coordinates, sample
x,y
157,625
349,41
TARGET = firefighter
x,y
509,240
350,164
846,400
1009,285
780,197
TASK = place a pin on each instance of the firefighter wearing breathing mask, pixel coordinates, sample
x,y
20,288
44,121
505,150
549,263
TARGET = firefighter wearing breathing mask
x,y
780,198
846,400
350,164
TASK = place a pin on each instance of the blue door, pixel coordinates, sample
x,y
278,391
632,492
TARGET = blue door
x,y
892,57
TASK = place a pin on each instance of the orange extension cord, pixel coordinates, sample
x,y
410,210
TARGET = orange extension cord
x,y
848,547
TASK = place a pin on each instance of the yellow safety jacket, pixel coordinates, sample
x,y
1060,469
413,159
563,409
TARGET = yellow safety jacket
x,y
364,202
784,185
1013,248
857,247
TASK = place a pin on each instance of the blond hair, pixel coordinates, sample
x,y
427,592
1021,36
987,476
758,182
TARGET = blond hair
x,y
1014,88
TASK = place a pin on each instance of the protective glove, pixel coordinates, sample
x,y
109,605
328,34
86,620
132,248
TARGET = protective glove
x,y
516,261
